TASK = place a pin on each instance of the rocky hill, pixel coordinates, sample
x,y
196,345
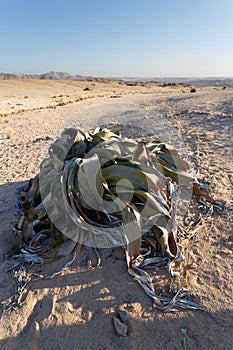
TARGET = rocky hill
x,y
59,76
49,75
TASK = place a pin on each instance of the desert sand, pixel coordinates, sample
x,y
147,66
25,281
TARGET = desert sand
x,y
74,310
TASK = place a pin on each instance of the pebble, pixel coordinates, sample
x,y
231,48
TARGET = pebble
x,y
183,331
120,327
70,307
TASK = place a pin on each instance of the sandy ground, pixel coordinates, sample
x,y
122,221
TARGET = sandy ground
x,y
18,96
75,310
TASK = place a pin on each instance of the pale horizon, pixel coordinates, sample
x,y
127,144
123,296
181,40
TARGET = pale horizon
x,y
123,77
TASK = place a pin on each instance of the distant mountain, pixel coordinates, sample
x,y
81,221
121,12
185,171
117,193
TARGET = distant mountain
x,y
212,82
17,76
49,76
59,76
200,82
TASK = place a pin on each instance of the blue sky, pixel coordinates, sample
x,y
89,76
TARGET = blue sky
x,y
146,38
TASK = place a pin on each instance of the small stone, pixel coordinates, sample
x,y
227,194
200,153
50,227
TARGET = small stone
x,y
120,327
183,331
37,326
199,280
70,307
193,266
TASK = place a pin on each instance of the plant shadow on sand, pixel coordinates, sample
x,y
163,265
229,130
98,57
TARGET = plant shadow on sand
x,y
8,213
75,311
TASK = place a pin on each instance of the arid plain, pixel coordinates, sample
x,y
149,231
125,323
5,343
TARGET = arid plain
x,y
74,310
